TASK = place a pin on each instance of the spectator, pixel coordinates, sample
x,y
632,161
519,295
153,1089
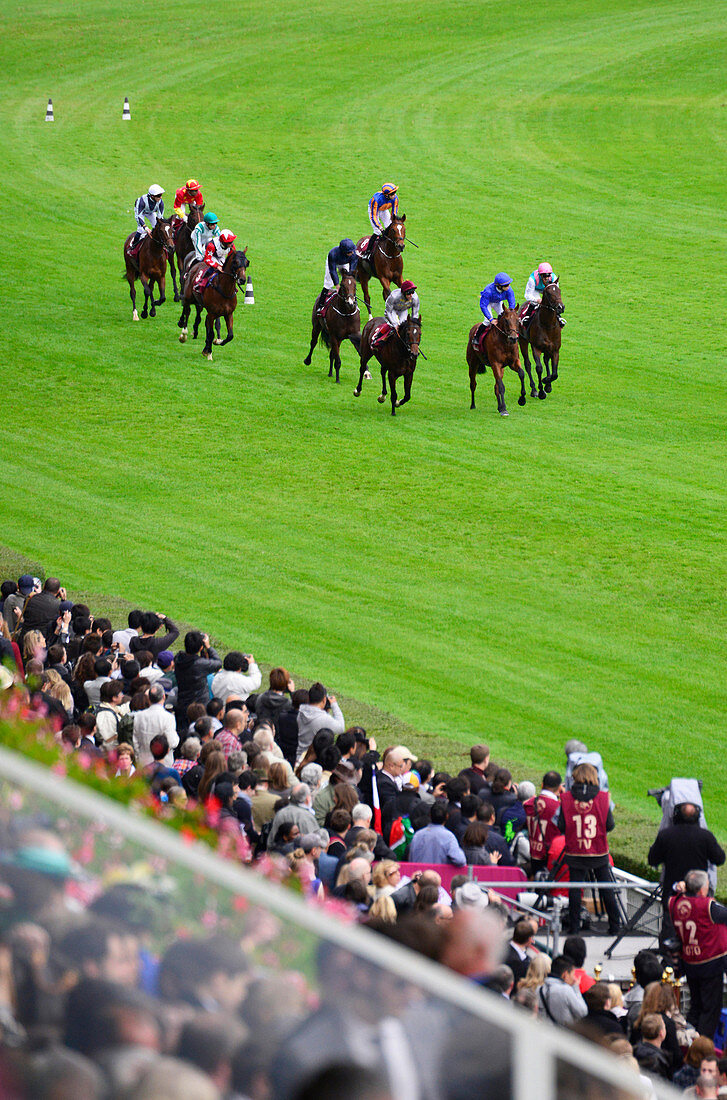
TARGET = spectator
x,y
517,957
503,793
600,1015
344,773
659,1000
233,726
192,668
270,705
188,752
299,810
41,610
150,722
700,1049
111,710
585,817
647,1052
320,712
387,778
475,774
147,640
538,970
435,843
495,844
560,998
122,638
239,677
700,924
575,948
14,601
102,674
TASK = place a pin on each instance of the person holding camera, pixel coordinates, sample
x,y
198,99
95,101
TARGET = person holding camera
x,y
239,677
683,846
586,817
321,712
192,667
701,925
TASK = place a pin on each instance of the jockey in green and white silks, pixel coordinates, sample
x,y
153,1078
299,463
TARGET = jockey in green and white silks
x,y
204,232
541,278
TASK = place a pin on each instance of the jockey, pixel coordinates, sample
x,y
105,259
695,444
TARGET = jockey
x,y
149,206
537,283
204,232
215,253
341,258
190,195
494,294
383,206
399,303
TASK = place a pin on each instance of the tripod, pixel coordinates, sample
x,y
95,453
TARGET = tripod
x,y
630,925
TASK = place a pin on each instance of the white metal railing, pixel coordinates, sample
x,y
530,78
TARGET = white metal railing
x,y
540,1052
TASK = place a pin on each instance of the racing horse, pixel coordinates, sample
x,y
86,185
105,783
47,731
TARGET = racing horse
x,y
218,298
386,263
183,246
544,334
398,357
339,320
500,350
149,265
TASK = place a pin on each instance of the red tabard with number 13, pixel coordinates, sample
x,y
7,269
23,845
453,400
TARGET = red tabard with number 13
x,y
585,825
701,939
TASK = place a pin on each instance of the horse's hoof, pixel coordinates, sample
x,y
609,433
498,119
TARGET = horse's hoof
x,y
547,387
135,316
381,398
521,400
338,380
533,393
397,403
504,412
182,338
177,298
307,361
367,374
217,340
357,393
542,396
207,355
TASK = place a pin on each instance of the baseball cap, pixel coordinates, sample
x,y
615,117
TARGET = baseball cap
x,y
309,842
25,584
165,658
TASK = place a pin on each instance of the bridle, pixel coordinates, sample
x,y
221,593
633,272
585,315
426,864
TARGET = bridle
x,y
509,336
385,237
238,278
544,303
343,312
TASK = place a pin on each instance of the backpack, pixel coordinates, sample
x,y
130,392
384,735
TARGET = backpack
x,y
124,724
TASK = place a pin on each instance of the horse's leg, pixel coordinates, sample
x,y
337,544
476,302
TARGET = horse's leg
x,y
365,355
499,389
385,286
392,387
539,368
382,396
315,333
217,331
162,285
210,328
526,358
335,357
197,319
521,375
554,366
182,322
147,296
152,303
548,378
473,383
173,272
131,279
228,322
408,375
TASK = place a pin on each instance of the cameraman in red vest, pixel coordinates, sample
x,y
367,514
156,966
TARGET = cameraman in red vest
x,y
540,812
701,924
585,818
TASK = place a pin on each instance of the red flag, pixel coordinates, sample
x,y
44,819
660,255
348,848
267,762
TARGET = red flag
x,y
375,800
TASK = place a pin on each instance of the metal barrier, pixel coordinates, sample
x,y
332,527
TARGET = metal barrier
x,y
458,1040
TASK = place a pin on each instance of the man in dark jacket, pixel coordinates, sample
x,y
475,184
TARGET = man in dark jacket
x,y
150,624
475,775
42,610
192,668
682,847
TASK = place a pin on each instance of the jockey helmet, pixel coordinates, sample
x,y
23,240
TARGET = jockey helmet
x,y
390,188
227,237
545,269
155,191
192,186
211,219
502,281
408,287
347,245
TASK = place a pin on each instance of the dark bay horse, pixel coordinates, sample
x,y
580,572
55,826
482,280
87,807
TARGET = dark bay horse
x,y
501,351
543,334
341,321
386,263
398,357
149,265
219,299
183,246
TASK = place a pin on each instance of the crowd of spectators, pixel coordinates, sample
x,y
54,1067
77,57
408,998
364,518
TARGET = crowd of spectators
x,y
285,782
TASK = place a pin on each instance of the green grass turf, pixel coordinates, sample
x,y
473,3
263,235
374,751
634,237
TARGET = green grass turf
x,y
560,573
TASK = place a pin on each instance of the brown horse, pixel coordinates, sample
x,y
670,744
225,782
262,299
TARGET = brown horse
x,y
341,321
386,263
149,265
218,298
398,356
500,351
183,246
544,334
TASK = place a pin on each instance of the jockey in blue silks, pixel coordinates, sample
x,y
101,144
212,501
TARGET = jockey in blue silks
x,y
495,294
341,258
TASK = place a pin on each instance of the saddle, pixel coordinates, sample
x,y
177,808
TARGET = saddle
x,y
326,302
133,251
362,247
381,333
203,279
478,341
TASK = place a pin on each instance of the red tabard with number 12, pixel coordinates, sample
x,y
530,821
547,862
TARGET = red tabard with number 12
x,y
702,940
585,825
